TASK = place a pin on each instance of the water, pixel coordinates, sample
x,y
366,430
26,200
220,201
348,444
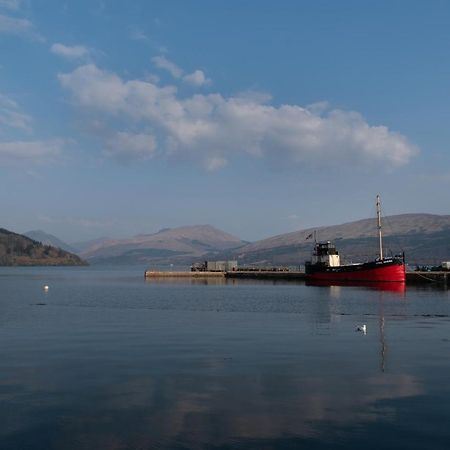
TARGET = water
x,y
105,360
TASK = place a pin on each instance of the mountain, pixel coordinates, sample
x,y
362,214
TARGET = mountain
x,y
84,246
49,239
20,250
182,245
425,239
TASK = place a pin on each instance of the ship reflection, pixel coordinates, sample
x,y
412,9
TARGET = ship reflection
x,y
396,287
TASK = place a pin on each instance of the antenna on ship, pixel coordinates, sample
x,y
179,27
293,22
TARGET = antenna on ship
x,y
379,225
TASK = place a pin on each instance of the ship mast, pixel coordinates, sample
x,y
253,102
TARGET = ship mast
x,y
379,226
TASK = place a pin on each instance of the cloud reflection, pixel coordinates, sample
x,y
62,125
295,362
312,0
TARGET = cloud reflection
x,y
191,410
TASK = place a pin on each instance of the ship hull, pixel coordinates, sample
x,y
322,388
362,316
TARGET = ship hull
x,y
392,270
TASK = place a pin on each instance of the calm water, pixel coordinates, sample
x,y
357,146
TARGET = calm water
x,y
105,360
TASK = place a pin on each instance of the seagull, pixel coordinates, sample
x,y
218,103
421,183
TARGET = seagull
x,y
362,328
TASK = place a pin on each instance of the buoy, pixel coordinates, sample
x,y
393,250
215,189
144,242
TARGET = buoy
x,y
45,288
362,328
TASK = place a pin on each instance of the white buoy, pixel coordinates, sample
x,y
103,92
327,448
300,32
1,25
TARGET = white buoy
x,y
45,288
362,328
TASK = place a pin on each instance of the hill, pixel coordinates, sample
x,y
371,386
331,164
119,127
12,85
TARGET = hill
x,y
425,239
20,250
181,245
49,239
84,246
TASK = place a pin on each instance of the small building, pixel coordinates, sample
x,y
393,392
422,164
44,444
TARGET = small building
x,y
215,266
221,266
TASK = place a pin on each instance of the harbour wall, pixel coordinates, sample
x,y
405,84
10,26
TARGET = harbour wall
x,y
185,274
442,278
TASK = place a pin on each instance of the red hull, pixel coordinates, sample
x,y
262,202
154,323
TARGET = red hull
x,y
384,273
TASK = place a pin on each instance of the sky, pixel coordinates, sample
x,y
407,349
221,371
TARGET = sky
x,y
120,118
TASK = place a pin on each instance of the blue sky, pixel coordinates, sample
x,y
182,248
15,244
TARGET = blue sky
x,y
119,118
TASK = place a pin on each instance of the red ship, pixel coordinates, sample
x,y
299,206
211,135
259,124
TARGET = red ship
x,y
326,265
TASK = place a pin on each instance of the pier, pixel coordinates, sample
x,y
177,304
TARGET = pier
x,y
267,275
185,274
441,277
412,278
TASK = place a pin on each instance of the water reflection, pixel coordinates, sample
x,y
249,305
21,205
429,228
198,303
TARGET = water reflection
x,y
377,286
166,412
383,344
171,365
334,286
219,281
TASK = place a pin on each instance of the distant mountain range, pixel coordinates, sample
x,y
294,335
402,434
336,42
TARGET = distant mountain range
x,y
182,245
84,246
425,239
19,250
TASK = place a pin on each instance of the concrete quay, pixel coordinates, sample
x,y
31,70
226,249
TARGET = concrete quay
x,y
442,278
266,275
412,278
185,274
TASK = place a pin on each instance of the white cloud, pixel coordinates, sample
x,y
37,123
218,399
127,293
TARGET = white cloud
x,y
197,78
19,151
152,78
10,4
30,151
95,88
12,117
69,52
212,163
138,35
16,26
213,128
129,146
163,63
13,25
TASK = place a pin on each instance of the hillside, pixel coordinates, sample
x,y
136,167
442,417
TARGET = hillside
x,y
178,245
49,239
425,238
19,250
83,246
